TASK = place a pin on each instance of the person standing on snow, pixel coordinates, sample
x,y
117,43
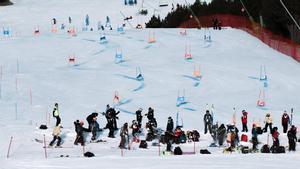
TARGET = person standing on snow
x,y
268,122
79,131
275,136
55,114
285,120
93,125
292,138
139,117
56,136
244,119
150,114
124,136
207,122
254,137
170,125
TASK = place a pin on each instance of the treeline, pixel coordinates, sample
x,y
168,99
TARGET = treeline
x,y
5,2
270,13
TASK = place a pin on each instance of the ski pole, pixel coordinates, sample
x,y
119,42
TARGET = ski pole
x,y
45,146
83,150
9,146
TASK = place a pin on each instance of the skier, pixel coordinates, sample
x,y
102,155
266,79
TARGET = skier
x,y
254,137
87,20
56,136
55,114
107,24
285,120
292,138
150,114
124,136
54,21
139,117
70,20
207,122
268,122
79,131
244,121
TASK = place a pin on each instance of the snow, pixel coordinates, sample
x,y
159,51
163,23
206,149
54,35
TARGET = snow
x,y
229,65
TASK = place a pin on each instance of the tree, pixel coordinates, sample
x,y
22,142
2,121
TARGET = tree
x,y
5,2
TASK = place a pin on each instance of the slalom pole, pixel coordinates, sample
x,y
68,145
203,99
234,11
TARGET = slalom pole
x,y
1,72
18,66
83,150
16,110
45,146
158,148
30,96
122,152
11,138
0,90
16,84
194,147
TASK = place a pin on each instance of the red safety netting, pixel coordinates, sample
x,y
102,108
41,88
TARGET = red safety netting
x,y
277,42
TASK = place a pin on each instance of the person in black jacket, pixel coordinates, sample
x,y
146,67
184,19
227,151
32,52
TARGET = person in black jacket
x,y
170,125
207,122
139,116
292,138
254,138
114,118
79,131
150,114
93,125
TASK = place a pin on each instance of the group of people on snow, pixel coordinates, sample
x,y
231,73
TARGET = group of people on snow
x,y
220,133
231,134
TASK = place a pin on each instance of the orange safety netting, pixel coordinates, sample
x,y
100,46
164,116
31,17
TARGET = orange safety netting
x,y
277,42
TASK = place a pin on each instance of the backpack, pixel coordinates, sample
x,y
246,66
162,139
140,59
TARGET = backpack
x,y
245,149
277,150
89,154
177,151
43,127
204,151
259,130
143,144
265,149
244,138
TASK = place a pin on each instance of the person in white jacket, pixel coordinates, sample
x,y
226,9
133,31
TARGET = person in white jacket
x,y
268,122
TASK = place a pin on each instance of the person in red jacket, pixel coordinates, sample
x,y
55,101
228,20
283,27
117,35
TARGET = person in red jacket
x,y
275,136
244,121
285,120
